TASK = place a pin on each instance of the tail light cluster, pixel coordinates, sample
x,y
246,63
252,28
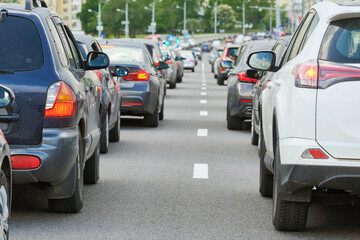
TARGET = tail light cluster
x,y
20,162
315,153
140,75
314,74
243,78
60,101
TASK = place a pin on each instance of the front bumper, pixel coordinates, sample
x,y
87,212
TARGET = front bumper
x,y
58,152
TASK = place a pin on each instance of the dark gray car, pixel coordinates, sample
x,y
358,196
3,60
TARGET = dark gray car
x,y
241,85
141,91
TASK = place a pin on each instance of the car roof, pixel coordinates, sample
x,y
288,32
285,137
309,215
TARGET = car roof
x,y
120,42
20,8
332,11
87,39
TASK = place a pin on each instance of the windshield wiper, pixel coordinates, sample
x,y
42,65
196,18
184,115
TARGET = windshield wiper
x,y
6,71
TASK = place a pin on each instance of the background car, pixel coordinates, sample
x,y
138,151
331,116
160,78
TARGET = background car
x,y
142,93
173,67
189,62
240,86
54,134
230,53
197,52
214,55
205,48
110,100
180,65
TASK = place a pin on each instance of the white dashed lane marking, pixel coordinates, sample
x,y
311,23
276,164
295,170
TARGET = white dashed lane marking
x,y
204,113
203,101
202,132
201,171
203,93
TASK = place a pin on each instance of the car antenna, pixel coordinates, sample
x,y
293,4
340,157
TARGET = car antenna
x,y
30,4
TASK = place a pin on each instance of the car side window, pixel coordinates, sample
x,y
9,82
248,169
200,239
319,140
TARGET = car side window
x,y
95,47
311,29
77,57
149,59
58,45
296,41
66,44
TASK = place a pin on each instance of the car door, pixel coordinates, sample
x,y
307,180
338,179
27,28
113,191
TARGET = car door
x,y
283,79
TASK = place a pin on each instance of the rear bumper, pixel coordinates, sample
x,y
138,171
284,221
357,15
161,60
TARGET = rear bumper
x,y
240,99
137,103
57,152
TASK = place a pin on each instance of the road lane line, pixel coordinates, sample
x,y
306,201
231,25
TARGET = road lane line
x,y
203,101
203,94
204,113
201,171
203,88
204,84
202,132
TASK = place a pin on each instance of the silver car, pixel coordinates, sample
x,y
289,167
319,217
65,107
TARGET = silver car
x,y
189,63
172,70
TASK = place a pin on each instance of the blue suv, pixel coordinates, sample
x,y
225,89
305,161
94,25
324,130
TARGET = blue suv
x,y
53,125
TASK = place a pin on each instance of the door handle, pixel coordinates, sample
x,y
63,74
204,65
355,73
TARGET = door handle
x,y
278,82
270,84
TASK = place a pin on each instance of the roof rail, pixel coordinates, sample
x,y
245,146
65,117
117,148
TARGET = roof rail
x,y
30,4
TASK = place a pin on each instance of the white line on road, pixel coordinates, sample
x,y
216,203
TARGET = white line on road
x,y
204,113
203,101
204,84
202,132
203,88
201,171
203,94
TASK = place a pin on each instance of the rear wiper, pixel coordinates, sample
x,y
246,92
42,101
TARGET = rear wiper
x,y
6,71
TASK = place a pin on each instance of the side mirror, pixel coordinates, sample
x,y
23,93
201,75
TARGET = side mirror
x,y
7,97
167,58
226,64
263,61
121,71
251,73
163,65
177,58
97,60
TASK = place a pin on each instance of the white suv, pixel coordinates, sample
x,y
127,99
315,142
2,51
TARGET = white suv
x,y
310,131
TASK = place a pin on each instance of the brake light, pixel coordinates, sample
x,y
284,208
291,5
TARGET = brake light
x,y
157,64
141,75
60,101
99,74
242,77
169,62
246,100
314,154
21,162
306,74
191,60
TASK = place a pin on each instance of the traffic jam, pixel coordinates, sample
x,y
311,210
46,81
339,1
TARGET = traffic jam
x,y
64,97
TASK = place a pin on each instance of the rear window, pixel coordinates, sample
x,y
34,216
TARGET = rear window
x,y
20,48
341,42
123,53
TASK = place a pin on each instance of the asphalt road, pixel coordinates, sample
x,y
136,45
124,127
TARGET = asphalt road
x,y
147,188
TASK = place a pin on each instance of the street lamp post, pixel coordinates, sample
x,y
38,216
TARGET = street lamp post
x,y
215,18
153,23
99,22
184,8
127,18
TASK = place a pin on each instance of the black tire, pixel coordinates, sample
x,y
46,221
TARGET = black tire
x,y
179,79
74,203
5,207
161,114
212,68
233,123
104,138
172,85
193,70
220,81
114,134
287,215
215,76
265,177
92,167
152,120
254,135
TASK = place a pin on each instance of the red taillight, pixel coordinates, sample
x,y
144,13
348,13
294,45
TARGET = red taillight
x,y
132,104
141,75
99,74
314,154
306,74
20,162
191,60
331,73
60,101
169,62
157,64
242,77
245,100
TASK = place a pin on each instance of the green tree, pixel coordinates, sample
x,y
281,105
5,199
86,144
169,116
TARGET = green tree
x,y
225,17
89,19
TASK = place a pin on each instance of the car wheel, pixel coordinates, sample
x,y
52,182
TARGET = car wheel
x,y
114,134
266,177
233,123
152,120
193,70
179,79
212,68
254,135
74,203
5,198
215,76
92,167
172,85
161,114
220,81
104,138
287,215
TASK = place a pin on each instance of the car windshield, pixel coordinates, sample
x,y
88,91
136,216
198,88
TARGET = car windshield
x,y
20,48
123,53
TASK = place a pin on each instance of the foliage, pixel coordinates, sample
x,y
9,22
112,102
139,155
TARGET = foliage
x,y
225,17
